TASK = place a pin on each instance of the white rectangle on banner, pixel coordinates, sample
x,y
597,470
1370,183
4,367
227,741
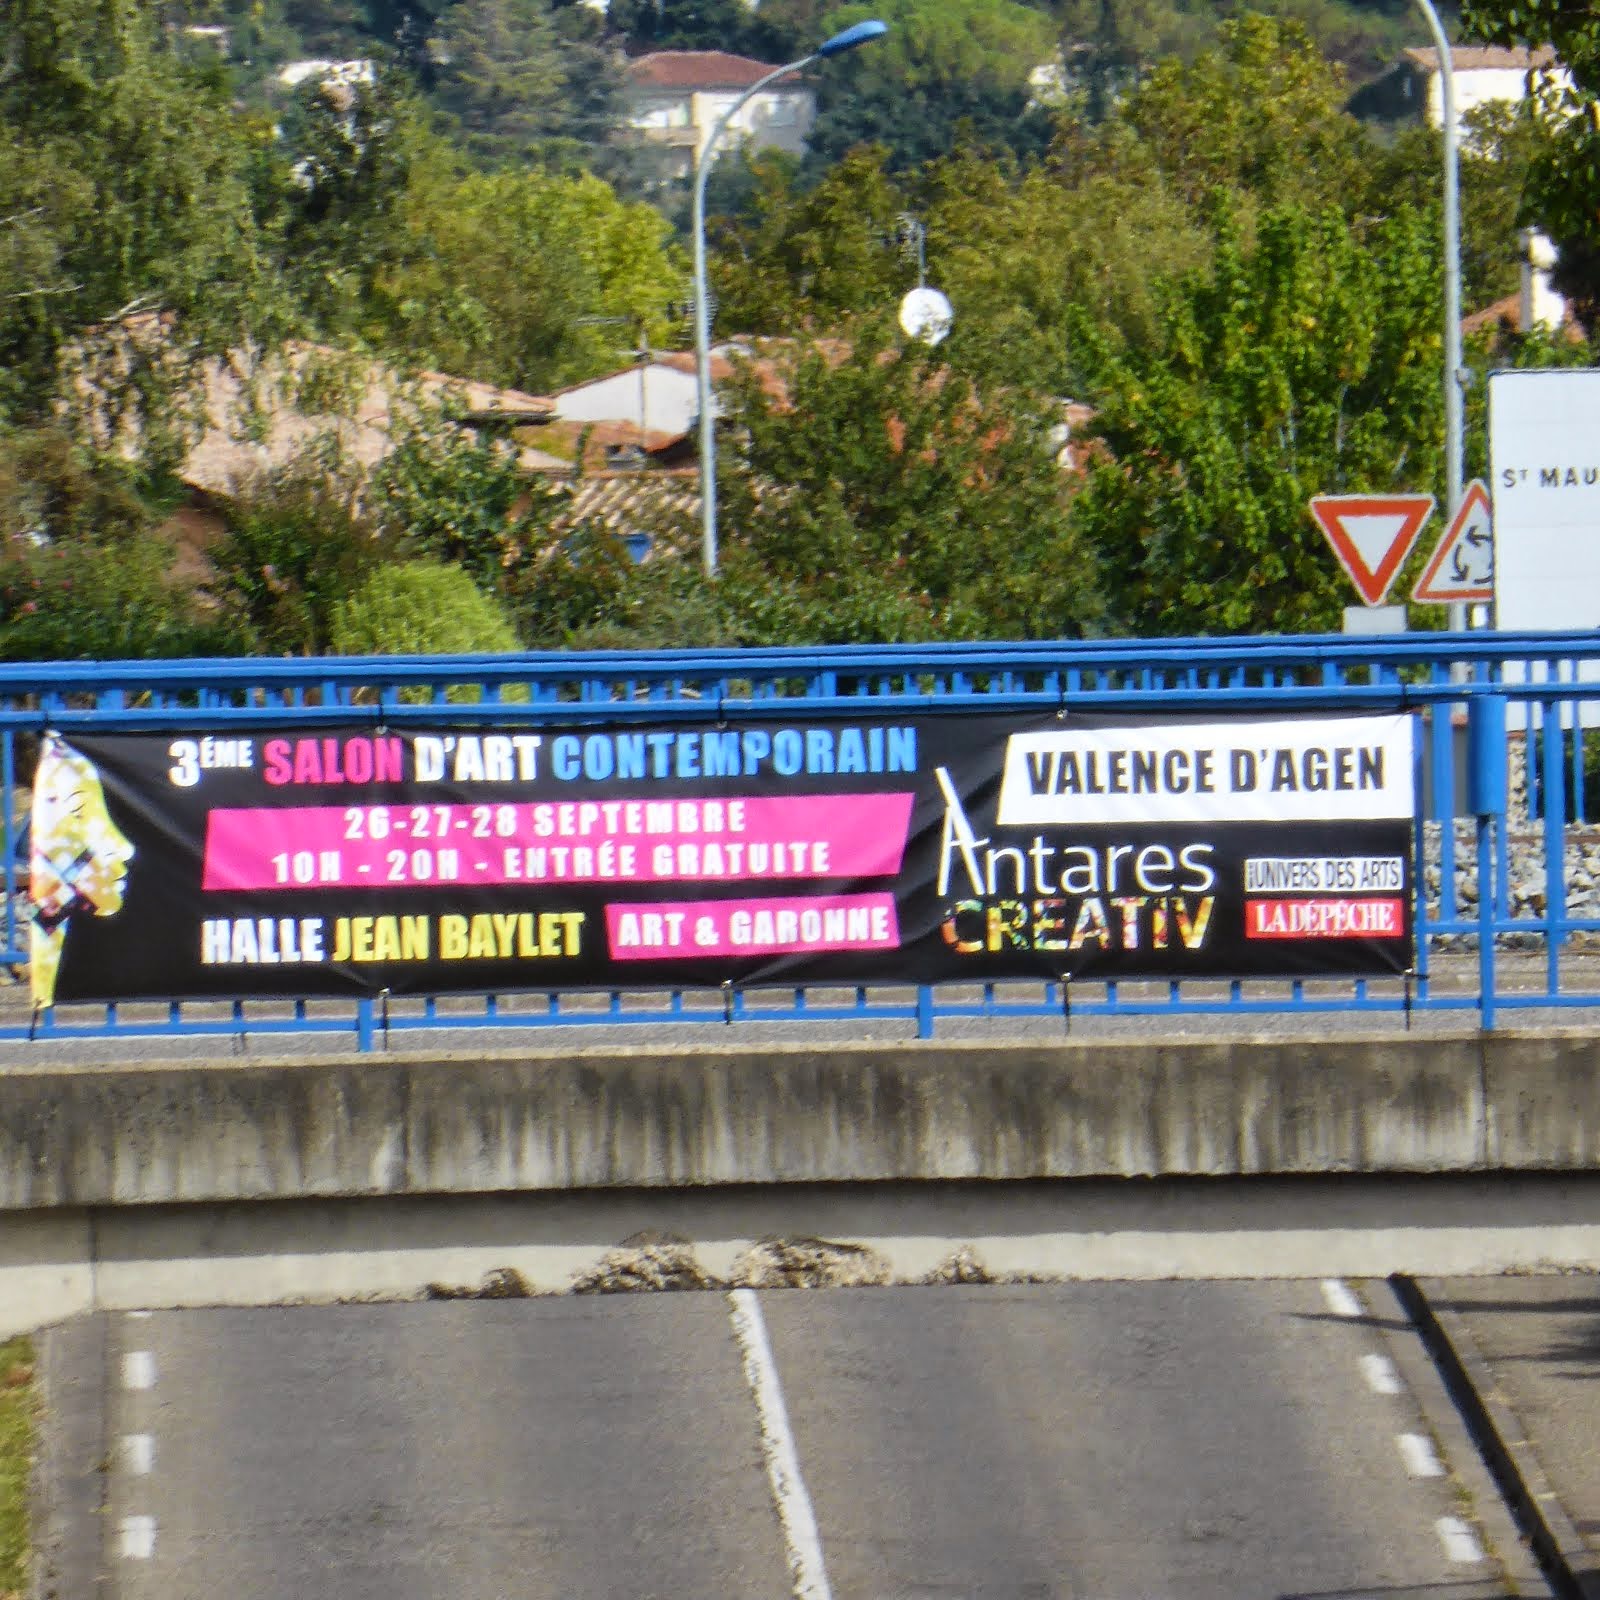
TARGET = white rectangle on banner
x,y
1285,770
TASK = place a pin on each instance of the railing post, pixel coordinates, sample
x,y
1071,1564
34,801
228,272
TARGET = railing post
x,y
1486,798
8,781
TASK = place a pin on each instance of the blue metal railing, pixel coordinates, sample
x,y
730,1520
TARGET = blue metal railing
x,y
1547,686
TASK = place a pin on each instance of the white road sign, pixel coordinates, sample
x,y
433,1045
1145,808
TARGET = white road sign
x,y
1544,457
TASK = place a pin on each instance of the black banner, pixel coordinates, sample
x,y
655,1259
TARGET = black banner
x,y
610,855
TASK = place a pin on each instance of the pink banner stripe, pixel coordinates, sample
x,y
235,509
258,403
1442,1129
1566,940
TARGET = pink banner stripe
x,y
670,930
737,840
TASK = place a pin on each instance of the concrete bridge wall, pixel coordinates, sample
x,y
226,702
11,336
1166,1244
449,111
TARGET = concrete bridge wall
x,y
243,1183
161,1134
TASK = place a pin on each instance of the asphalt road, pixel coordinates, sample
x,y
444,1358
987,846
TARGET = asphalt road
x,y
1198,1441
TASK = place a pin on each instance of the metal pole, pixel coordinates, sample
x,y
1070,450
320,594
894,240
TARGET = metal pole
x,y
702,318
1455,374
858,33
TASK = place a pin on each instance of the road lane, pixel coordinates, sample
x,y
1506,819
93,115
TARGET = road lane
x,y
551,1450
1100,1441
1109,1440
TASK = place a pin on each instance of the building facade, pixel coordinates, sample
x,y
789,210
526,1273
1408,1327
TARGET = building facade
x,y
676,98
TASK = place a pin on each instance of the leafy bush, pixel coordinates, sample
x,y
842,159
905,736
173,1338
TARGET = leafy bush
x,y
85,599
294,547
421,608
447,497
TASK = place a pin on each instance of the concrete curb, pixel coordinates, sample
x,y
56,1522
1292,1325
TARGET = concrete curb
x,y
1500,1437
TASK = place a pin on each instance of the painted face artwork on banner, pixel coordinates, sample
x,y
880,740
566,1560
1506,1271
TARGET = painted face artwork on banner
x,y
78,859
617,855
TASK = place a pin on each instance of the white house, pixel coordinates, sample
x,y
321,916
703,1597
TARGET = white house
x,y
340,74
675,98
656,396
1483,75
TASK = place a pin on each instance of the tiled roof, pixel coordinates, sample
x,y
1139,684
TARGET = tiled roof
x,y
634,502
1505,316
681,361
232,450
695,69
560,440
1483,58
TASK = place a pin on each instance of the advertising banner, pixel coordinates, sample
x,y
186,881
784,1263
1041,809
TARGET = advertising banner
x,y
867,850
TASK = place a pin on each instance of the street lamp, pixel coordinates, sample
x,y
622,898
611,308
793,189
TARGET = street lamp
x,y
848,39
1455,375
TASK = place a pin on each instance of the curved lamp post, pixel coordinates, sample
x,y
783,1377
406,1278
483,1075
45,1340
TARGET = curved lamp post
x,y
837,45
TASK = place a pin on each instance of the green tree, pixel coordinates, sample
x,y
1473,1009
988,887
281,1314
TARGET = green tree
x,y
685,25
1263,113
405,26
445,496
949,73
122,190
94,598
1015,252
295,545
1564,177
1501,143
515,277
1308,363
515,76
85,571
806,257
892,492
331,188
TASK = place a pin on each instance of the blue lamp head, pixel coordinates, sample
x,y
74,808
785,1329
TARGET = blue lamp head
x,y
856,34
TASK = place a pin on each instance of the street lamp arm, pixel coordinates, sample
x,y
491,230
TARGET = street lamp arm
x,y
847,39
702,316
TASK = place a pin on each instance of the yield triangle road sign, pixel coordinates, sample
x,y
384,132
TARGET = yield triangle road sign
x,y
1371,534
1462,567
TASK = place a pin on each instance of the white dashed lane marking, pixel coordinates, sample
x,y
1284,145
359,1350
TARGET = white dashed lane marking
x,y
1460,1542
1340,1298
136,1533
138,1538
1379,1371
1416,1449
1422,1461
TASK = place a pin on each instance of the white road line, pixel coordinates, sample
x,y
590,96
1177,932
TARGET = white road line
x,y
1420,1458
141,1316
1460,1542
1341,1299
138,1538
1380,1373
139,1370
138,1453
802,1542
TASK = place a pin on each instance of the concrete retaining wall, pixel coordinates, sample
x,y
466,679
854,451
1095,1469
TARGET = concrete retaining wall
x,y
341,1128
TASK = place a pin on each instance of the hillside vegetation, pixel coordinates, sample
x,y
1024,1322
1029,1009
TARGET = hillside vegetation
x,y
1189,236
